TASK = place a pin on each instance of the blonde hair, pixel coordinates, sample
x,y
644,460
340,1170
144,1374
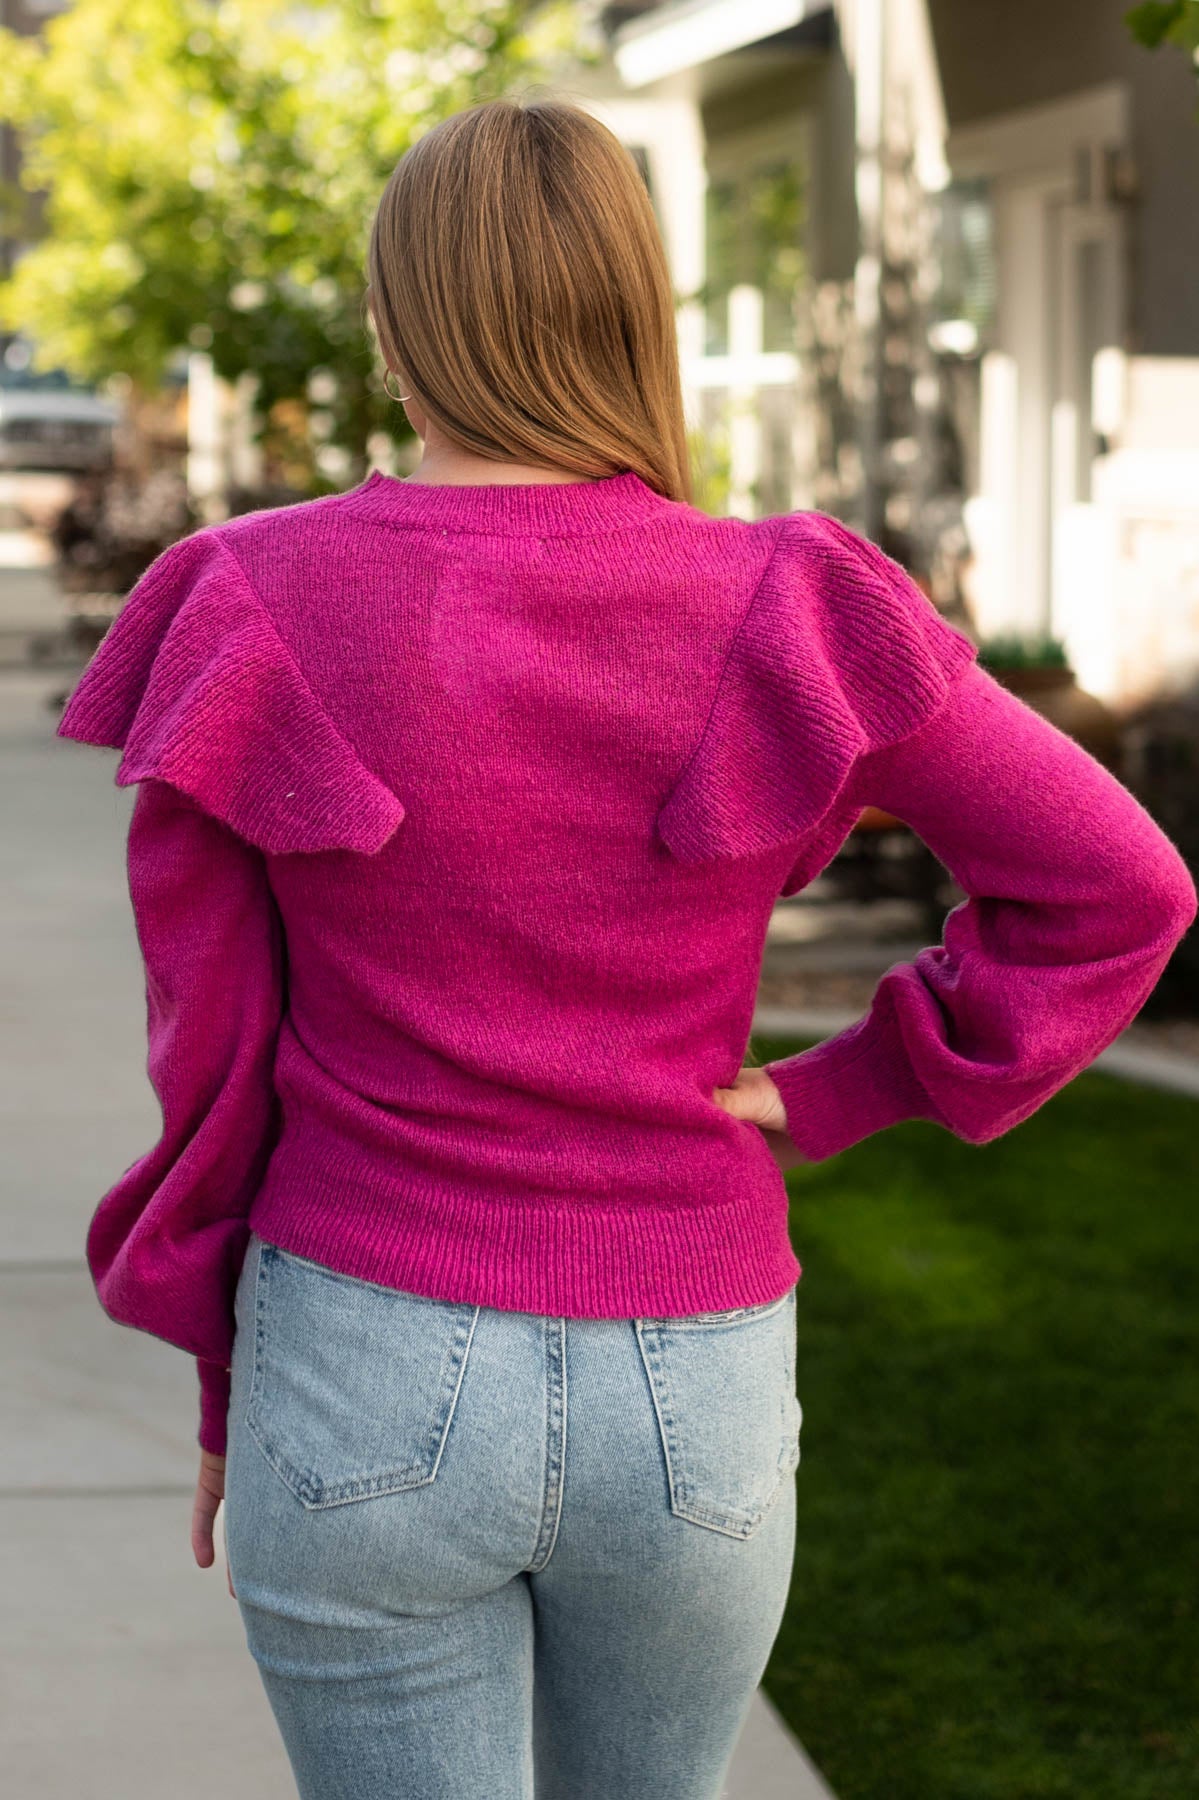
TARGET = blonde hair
x,y
518,281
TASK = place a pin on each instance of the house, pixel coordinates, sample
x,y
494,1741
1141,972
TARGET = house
x,y
938,273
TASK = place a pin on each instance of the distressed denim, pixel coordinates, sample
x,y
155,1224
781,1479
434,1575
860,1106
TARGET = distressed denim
x,y
484,1554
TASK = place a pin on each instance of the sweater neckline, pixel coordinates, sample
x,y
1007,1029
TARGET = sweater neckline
x,y
607,503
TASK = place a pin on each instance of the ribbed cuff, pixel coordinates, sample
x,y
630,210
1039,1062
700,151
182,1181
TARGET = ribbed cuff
x,y
214,1405
848,1087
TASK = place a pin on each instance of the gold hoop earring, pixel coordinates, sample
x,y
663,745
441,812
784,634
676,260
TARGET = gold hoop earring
x,y
388,391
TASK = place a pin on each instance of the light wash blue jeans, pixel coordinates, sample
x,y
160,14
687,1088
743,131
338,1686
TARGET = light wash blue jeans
x,y
469,1545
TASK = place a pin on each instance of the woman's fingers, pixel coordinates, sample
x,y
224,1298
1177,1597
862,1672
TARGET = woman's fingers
x,y
754,1098
210,1489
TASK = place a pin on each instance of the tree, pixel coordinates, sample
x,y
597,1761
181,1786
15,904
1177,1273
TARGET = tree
x,y
1157,22
210,171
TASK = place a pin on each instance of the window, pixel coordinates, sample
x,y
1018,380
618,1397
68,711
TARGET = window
x,y
966,291
754,234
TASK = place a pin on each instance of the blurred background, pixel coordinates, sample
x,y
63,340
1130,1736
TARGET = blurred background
x,y
937,273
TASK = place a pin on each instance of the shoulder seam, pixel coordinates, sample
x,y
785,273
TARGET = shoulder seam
x,y
285,648
718,687
226,550
869,554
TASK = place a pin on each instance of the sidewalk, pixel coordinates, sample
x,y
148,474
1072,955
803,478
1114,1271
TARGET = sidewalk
x,y
823,961
123,1666
1134,1056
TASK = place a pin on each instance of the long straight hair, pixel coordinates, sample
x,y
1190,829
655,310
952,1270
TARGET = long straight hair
x,y
518,282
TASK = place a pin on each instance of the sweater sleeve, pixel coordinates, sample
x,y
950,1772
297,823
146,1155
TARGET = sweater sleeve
x,y
238,760
166,1243
1075,901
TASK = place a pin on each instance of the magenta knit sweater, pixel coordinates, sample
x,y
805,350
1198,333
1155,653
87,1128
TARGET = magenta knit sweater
x,y
462,814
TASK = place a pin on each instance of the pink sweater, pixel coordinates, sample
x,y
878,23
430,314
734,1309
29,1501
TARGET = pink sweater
x,y
463,811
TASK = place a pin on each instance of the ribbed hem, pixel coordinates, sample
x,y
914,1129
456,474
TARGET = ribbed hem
x,y
214,1405
570,1259
608,503
848,1087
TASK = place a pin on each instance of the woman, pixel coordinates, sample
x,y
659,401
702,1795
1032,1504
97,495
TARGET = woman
x,y
464,801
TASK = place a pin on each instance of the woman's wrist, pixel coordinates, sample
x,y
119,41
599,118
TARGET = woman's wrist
x,y
215,1379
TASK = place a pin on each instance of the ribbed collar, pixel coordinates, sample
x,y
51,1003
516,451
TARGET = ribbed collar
x,y
610,503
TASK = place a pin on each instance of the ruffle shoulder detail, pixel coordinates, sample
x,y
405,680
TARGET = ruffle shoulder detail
x,y
840,653
194,684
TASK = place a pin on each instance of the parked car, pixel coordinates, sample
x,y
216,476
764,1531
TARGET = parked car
x,y
48,421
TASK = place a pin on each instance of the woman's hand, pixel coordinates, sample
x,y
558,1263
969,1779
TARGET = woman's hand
x,y
754,1098
210,1491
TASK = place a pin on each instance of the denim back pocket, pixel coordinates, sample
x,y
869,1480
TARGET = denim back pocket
x,y
723,1387
353,1386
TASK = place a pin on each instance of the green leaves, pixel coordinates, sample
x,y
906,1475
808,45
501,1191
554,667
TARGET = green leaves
x,y
1157,22
192,154
1011,651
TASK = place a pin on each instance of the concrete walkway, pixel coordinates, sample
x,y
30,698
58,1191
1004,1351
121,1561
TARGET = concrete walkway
x,y
1125,1057
123,1667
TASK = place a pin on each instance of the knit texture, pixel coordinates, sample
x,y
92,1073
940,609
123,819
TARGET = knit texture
x,y
461,815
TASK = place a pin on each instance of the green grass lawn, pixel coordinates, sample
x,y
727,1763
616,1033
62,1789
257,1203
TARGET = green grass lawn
x,y
998,1542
